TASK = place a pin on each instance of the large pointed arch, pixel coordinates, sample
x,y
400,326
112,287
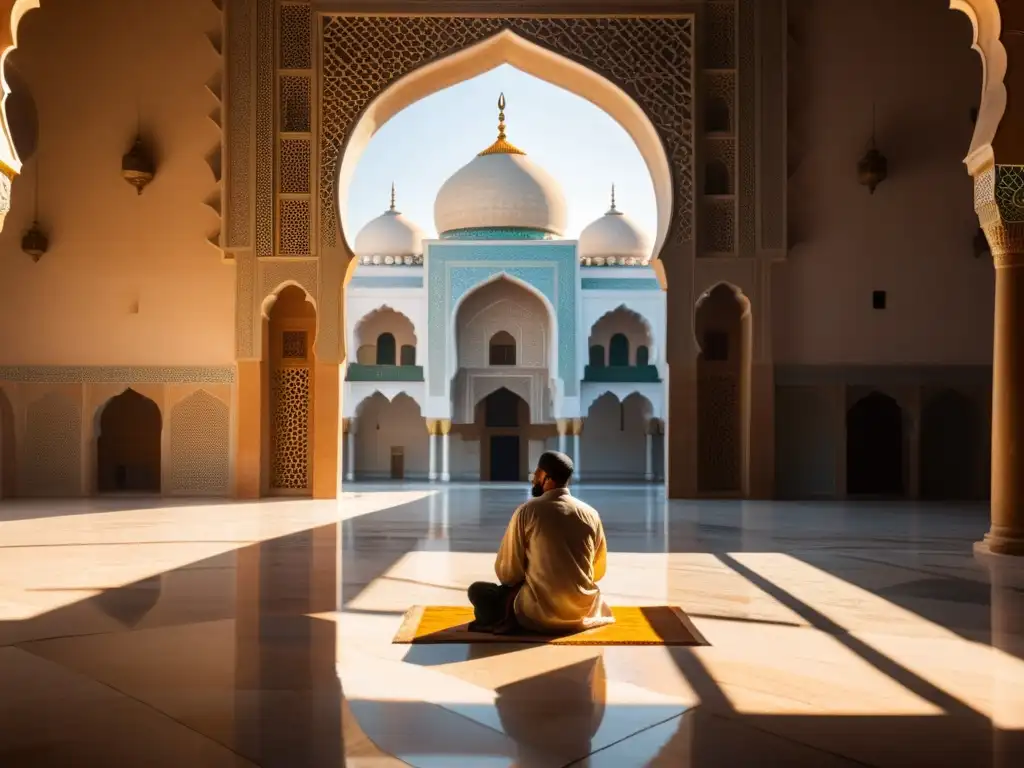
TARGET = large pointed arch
x,y
658,118
987,25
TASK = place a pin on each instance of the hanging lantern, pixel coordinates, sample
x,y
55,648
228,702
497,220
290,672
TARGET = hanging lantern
x,y
137,166
872,169
35,243
981,246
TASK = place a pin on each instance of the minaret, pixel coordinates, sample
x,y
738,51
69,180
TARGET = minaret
x,y
501,145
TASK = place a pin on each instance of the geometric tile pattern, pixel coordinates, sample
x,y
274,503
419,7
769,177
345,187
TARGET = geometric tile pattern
x,y
647,57
200,446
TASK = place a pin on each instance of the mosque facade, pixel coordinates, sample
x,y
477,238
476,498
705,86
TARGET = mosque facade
x,y
805,322
476,351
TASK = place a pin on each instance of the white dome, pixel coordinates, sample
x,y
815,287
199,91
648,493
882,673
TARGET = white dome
x,y
390,234
501,188
614,235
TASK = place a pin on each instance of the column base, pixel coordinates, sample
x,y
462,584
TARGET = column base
x,y
445,477
649,477
1001,542
350,478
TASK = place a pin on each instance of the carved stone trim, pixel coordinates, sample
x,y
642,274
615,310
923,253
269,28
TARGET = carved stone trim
x,y
274,272
746,128
771,129
266,13
110,374
999,203
245,305
651,59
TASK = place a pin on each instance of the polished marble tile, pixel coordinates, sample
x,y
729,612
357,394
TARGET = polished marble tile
x,y
260,634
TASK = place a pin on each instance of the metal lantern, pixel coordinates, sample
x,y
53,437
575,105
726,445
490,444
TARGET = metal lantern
x,y
137,166
872,169
35,243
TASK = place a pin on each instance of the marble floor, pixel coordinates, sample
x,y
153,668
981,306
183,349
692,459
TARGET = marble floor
x,y
137,632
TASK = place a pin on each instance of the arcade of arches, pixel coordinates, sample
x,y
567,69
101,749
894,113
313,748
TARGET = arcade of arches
x,y
277,227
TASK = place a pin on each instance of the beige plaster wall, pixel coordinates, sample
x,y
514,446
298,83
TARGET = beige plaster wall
x,y
128,280
913,237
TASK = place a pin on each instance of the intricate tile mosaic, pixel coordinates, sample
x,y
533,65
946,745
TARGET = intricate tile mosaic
x,y
51,463
290,391
200,447
238,58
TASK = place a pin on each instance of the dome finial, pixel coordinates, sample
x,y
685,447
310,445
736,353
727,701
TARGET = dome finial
x,y
501,145
613,196
392,196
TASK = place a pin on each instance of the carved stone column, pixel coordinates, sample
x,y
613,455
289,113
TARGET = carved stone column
x,y
577,431
444,427
564,426
432,445
999,200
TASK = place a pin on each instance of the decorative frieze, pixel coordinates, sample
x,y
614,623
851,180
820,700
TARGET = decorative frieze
x,y
104,374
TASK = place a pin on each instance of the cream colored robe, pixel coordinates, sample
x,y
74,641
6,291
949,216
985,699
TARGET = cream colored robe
x,y
555,546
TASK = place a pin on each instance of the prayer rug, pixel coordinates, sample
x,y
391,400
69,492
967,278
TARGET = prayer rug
x,y
634,625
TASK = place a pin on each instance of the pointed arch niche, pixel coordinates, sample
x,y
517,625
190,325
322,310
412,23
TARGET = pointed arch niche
x,y
723,326
289,396
652,101
128,445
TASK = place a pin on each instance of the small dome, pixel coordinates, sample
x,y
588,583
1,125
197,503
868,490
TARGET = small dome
x,y
501,189
390,235
614,236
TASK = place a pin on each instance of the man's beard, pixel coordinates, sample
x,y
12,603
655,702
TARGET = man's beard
x,y
537,490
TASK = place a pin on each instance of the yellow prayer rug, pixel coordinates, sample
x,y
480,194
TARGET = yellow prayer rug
x,y
634,625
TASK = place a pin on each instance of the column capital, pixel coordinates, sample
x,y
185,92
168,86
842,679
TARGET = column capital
x,y
999,203
432,428
346,426
577,426
564,426
444,426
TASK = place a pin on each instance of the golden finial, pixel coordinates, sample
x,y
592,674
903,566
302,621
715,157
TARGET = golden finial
x,y
613,210
392,195
501,145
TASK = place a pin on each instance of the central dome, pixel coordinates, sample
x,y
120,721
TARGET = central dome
x,y
500,193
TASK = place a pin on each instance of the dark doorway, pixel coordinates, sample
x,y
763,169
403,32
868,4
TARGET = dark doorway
x,y
501,409
951,448
128,446
505,458
874,447
398,462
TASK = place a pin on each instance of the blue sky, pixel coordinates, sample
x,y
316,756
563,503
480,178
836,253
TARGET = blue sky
x,y
575,141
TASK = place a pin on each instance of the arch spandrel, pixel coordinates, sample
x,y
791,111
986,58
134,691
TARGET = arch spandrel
x,y
649,61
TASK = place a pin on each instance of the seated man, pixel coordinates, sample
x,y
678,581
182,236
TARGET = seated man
x,y
550,560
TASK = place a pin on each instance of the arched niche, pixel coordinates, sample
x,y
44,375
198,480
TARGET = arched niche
x,y
510,305
391,440
382,320
128,445
387,349
723,326
498,44
627,324
502,420
875,447
501,349
289,333
614,437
